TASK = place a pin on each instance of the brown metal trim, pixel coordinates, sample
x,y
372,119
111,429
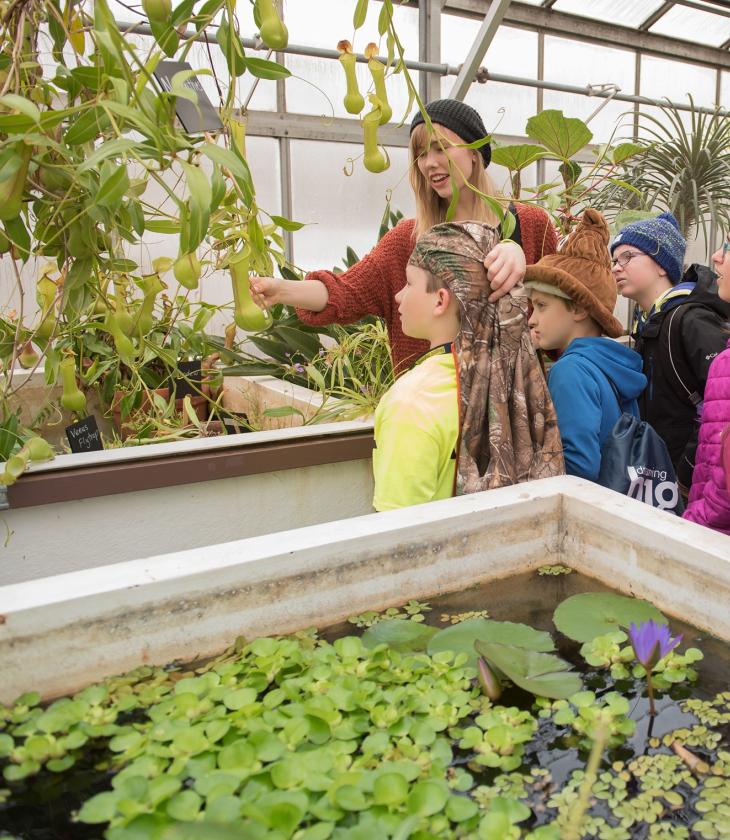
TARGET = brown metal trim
x,y
68,485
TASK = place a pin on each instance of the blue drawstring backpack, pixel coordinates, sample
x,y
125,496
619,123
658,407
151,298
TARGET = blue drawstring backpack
x,y
635,462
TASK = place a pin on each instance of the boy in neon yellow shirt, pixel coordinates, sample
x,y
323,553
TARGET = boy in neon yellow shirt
x,y
474,412
417,421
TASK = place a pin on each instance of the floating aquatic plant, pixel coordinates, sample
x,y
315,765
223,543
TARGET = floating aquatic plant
x,y
555,569
302,738
606,651
413,611
457,618
651,643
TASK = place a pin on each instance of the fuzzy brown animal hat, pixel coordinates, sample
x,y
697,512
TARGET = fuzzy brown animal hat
x,y
581,271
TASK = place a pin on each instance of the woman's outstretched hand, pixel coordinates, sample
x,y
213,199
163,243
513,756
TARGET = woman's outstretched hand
x,y
266,291
505,265
306,294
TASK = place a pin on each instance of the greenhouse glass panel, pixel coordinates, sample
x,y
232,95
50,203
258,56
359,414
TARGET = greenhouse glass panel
x,y
578,63
322,23
693,25
341,210
504,108
317,86
675,80
621,12
725,90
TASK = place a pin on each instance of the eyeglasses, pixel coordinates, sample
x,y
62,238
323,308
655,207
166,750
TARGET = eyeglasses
x,y
625,259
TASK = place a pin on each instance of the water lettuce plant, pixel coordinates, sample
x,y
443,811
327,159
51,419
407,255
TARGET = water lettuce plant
x,y
302,738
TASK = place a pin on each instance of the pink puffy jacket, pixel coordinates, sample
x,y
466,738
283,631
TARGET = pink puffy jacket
x,y
709,500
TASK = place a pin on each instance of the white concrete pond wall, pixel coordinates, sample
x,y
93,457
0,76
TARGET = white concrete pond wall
x,y
48,539
58,634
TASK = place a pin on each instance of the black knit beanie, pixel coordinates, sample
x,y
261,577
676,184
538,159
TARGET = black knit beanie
x,y
462,119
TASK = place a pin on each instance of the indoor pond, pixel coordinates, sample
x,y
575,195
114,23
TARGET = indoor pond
x,y
516,709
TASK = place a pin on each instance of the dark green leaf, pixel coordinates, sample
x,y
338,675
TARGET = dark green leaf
x,y
587,615
542,674
263,69
460,638
563,136
517,157
112,188
400,634
87,127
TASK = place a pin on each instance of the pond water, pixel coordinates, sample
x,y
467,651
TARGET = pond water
x,y
644,790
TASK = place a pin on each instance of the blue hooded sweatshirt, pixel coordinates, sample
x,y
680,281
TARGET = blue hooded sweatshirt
x,y
585,402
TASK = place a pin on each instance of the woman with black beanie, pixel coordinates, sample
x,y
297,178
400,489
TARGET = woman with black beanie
x,y
440,163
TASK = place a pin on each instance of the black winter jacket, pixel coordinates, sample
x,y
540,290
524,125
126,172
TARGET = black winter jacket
x,y
699,331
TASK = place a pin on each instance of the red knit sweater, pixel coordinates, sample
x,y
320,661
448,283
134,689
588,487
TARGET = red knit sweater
x,y
370,286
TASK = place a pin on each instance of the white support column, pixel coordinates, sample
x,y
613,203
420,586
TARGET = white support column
x,y
487,31
429,43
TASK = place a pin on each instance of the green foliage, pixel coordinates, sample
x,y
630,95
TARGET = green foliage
x,y
399,635
498,737
554,570
674,669
461,637
586,714
412,611
606,652
682,166
303,738
542,674
587,615
562,136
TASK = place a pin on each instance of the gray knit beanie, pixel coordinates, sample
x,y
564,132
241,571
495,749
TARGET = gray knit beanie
x,y
461,118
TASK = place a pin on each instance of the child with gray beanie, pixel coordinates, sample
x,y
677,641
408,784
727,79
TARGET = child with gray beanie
x,y
679,328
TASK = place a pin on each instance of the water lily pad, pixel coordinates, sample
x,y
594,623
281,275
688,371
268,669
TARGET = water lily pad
x,y
399,635
587,615
542,674
460,638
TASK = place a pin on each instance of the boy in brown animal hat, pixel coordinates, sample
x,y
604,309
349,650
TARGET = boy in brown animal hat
x,y
595,379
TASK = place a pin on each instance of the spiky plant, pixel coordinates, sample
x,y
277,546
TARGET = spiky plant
x,y
685,170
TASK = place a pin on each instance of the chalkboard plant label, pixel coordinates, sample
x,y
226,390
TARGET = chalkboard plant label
x,y
189,384
84,436
195,117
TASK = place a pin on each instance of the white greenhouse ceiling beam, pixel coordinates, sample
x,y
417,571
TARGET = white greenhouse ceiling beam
x,y
484,38
565,25
655,16
349,130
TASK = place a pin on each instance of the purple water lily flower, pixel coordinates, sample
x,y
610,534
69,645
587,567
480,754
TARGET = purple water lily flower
x,y
651,643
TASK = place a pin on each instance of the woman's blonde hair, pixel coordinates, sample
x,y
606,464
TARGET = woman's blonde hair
x,y
430,207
